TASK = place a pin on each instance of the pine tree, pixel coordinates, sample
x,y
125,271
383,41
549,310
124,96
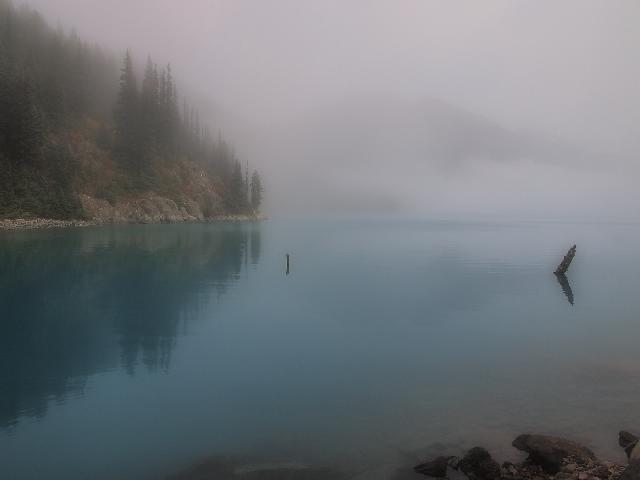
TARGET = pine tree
x,y
256,191
21,123
246,183
127,117
150,85
171,108
185,126
168,117
196,131
236,199
149,111
78,80
222,164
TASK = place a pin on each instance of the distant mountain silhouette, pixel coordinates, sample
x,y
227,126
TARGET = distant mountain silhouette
x,y
431,130
364,149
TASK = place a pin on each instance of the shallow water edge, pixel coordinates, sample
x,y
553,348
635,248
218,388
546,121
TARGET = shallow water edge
x,y
48,223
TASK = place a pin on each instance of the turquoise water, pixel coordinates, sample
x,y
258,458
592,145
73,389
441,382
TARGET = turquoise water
x,y
131,352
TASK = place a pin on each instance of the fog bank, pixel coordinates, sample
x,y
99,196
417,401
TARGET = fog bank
x,y
414,107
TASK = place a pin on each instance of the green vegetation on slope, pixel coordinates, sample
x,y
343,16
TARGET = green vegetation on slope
x,y
70,131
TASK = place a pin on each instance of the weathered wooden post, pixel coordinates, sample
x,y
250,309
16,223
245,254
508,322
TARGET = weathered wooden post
x,y
566,261
287,255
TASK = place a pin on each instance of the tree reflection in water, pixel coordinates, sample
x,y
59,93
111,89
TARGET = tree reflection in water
x,y
78,302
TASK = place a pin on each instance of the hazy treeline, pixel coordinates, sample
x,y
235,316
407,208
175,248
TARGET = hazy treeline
x,y
57,92
149,130
47,80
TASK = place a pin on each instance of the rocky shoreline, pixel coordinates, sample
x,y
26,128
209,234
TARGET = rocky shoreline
x,y
48,223
549,458
41,223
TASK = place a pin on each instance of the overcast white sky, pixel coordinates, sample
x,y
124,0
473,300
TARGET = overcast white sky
x,y
566,69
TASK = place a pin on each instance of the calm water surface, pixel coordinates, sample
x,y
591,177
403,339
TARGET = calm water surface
x,y
130,352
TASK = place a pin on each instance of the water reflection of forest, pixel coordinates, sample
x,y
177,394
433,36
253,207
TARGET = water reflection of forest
x,y
77,302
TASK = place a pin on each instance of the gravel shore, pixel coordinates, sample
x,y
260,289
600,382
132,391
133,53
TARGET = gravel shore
x,y
41,223
48,223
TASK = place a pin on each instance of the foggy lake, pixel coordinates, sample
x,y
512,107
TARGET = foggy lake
x,y
319,240
134,351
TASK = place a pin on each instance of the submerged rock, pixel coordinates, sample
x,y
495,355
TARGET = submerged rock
x,y
434,468
549,452
291,473
228,469
478,464
213,468
632,472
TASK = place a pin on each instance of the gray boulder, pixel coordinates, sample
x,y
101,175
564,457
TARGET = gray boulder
x,y
629,442
477,464
548,452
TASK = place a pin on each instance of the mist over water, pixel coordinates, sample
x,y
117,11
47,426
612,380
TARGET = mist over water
x,y
500,108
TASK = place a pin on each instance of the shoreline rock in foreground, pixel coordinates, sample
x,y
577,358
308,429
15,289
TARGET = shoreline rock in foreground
x,y
550,458
629,442
437,467
549,452
478,464
568,459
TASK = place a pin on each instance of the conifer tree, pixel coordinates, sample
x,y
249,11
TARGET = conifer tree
x,y
236,198
127,116
171,102
21,123
78,80
150,86
256,191
149,111
168,117
246,183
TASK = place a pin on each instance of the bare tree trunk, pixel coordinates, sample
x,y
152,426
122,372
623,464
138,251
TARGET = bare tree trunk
x,y
566,261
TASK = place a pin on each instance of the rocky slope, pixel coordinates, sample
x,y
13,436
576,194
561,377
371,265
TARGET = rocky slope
x,y
147,208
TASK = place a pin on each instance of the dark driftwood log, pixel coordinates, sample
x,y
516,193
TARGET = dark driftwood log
x,y
566,261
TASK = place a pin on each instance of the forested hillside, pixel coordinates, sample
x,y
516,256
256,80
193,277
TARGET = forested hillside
x,y
82,137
